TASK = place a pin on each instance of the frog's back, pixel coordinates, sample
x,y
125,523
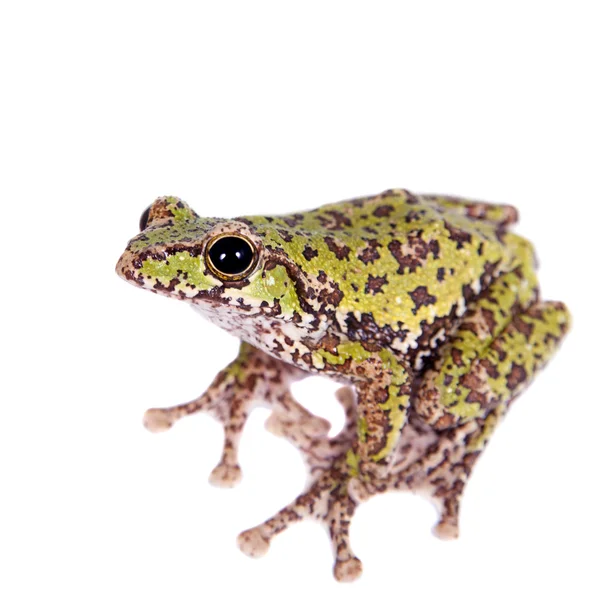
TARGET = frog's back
x,y
401,261
402,206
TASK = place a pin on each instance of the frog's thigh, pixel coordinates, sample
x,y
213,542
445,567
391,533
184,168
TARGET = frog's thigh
x,y
469,381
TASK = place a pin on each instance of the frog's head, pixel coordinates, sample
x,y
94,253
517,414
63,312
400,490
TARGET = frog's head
x,y
229,269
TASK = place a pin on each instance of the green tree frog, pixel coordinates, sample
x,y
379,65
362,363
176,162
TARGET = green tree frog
x,y
426,307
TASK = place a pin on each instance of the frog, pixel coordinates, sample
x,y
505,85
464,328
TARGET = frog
x,y
425,307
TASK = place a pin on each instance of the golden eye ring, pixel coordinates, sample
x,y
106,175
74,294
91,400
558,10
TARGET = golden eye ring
x,y
230,257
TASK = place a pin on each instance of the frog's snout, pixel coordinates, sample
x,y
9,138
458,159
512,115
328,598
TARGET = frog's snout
x,y
126,270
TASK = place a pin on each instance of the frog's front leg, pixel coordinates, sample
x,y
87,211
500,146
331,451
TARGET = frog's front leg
x,y
350,468
252,378
383,389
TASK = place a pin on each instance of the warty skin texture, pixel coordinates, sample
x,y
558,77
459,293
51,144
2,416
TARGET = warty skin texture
x,y
427,306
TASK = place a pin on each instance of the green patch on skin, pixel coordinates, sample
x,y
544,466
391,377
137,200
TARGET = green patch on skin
x,y
353,463
182,214
362,429
274,284
238,369
345,351
178,266
395,406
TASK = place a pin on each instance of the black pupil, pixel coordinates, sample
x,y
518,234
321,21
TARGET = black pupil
x,y
144,219
231,255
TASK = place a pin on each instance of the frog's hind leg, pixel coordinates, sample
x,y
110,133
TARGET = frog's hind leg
x,y
499,214
252,378
440,463
491,382
445,469
503,340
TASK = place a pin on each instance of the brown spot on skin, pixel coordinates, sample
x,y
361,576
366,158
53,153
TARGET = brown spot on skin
x,y
516,376
335,220
329,343
414,252
488,317
456,354
158,286
340,250
331,297
496,345
421,297
490,270
471,381
412,216
374,284
458,235
309,253
445,421
383,211
475,397
468,293
370,254
490,368
522,327
322,277
369,334
293,220
272,311
441,273
285,235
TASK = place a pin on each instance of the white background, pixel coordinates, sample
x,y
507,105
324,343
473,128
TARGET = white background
x,y
258,107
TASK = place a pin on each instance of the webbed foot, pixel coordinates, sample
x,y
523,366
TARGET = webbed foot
x,y
327,501
254,378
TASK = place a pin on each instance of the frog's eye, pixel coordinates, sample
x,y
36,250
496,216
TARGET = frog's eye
x,y
144,218
230,257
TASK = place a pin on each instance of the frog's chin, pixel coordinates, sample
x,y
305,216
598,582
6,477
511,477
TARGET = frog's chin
x,y
227,317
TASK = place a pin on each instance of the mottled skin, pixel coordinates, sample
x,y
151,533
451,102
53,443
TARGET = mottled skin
x,y
426,305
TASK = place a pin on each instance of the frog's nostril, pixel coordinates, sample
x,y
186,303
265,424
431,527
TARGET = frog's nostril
x,y
144,219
